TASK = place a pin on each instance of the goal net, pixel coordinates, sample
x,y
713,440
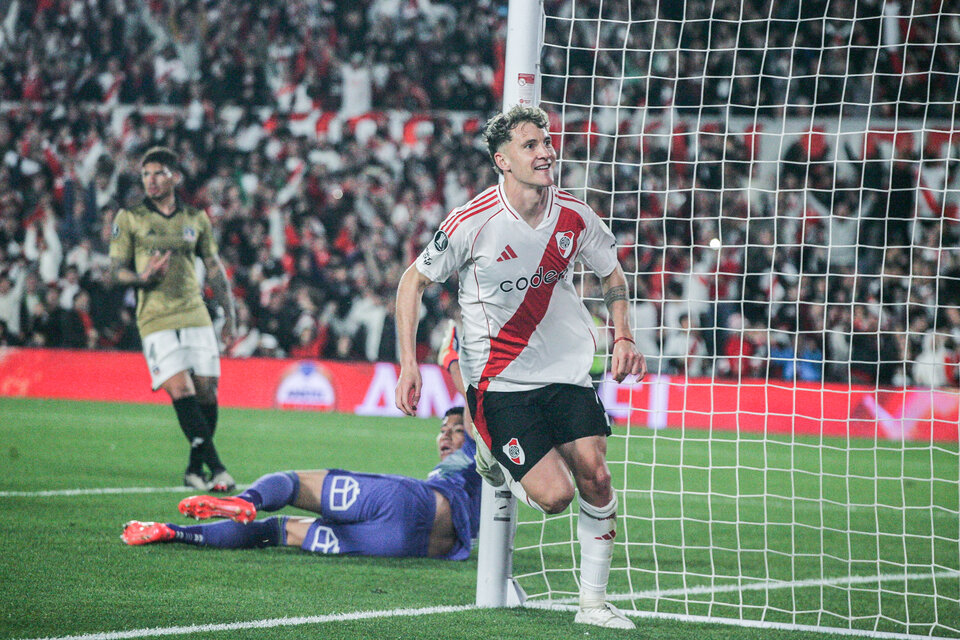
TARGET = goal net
x,y
782,179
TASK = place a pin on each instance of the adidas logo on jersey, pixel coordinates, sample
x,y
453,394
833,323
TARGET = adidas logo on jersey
x,y
508,254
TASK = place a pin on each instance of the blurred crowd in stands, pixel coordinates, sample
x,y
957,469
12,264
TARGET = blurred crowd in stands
x,y
356,55
757,57
807,267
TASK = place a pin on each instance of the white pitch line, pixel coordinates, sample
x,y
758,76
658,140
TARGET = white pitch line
x,y
262,624
99,492
559,606
784,584
556,605
762,586
84,420
755,624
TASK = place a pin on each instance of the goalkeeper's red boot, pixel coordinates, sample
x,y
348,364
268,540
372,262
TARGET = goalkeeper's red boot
x,y
203,507
136,532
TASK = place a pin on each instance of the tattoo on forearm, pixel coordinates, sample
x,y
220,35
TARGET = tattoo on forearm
x,y
221,291
613,294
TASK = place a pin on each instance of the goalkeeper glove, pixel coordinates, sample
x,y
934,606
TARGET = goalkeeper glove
x,y
487,466
450,347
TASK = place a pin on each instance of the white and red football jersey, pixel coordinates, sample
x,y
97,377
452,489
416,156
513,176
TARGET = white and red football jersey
x,y
524,326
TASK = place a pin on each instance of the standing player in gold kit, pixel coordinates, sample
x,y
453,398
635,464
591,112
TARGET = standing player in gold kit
x,y
153,248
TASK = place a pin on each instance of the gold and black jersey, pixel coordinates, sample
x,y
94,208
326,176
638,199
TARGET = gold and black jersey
x,y
176,300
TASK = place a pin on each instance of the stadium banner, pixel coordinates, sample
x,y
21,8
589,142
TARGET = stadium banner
x,y
750,406
784,407
361,388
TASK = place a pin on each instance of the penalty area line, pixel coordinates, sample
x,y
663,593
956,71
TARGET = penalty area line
x,y
263,624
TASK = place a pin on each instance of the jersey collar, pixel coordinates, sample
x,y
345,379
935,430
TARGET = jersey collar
x,y
547,215
148,203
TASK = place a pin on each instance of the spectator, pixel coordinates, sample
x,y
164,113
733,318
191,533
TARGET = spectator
x,y
248,336
69,286
685,350
745,352
809,360
11,295
782,356
368,313
357,91
41,244
936,365
31,302
310,343
864,347
78,331
48,321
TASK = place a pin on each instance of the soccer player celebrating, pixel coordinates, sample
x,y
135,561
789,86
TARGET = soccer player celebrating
x,y
360,513
528,341
153,249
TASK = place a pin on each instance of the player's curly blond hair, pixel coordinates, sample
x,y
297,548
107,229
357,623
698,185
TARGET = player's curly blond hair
x,y
499,129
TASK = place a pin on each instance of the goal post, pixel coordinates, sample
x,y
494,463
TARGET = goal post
x,y
496,586
783,180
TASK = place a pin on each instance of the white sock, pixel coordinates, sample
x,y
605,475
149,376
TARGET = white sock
x,y
596,529
520,493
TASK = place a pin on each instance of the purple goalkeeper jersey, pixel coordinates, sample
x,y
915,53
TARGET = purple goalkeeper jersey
x,y
456,478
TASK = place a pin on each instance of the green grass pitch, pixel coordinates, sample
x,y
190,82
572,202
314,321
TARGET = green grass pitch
x,y
65,572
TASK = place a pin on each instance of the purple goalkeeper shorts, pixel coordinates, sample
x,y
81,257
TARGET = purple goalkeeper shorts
x,y
370,514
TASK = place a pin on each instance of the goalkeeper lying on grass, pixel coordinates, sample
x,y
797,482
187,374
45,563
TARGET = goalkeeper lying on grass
x,y
360,513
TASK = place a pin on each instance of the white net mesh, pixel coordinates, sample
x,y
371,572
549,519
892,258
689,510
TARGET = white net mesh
x,y
782,178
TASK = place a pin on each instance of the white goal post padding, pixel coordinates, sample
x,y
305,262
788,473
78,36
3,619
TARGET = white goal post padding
x,y
783,181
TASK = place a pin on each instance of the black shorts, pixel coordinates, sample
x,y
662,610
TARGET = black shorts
x,y
523,426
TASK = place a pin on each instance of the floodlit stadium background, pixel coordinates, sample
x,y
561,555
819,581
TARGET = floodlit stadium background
x,y
326,140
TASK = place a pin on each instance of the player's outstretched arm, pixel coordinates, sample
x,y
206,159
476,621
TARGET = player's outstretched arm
x,y
626,359
220,285
409,294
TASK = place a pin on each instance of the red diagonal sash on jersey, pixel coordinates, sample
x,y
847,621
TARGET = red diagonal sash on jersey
x,y
515,334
